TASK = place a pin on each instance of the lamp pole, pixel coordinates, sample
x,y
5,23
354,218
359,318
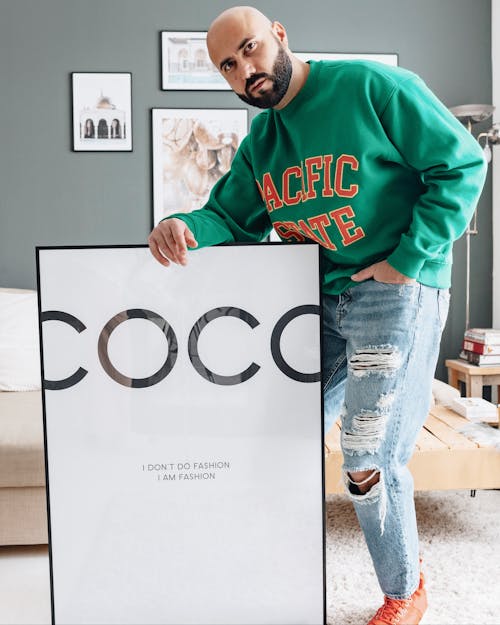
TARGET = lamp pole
x,y
470,114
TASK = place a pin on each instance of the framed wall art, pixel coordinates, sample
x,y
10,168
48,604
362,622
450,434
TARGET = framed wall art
x,y
387,58
102,112
185,63
192,149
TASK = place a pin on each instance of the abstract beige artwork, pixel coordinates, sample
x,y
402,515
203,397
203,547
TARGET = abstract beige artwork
x,y
192,149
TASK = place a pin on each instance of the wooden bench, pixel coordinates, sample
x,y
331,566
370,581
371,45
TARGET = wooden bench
x,y
444,458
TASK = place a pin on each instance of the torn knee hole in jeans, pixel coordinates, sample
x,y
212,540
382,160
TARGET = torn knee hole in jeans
x,y
364,485
382,359
376,495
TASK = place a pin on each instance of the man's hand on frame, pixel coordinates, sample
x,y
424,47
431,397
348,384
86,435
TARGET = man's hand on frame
x,y
169,241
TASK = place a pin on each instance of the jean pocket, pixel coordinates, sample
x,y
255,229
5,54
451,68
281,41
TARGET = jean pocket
x,y
404,289
393,284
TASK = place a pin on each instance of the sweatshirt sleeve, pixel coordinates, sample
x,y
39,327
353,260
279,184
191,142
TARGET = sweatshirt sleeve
x,y
451,166
235,210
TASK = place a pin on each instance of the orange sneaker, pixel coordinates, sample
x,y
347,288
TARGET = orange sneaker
x,y
403,611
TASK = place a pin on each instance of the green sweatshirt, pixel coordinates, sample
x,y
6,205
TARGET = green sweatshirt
x,y
365,161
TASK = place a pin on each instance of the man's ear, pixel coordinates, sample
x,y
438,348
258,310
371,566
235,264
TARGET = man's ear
x,y
280,32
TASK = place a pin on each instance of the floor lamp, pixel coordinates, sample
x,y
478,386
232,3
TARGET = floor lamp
x,y
470,114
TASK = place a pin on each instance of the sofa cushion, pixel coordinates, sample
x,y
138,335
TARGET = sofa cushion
x,y
22,460
23,516
443,393
19,346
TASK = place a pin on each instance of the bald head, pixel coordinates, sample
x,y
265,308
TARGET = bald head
x,y
236,17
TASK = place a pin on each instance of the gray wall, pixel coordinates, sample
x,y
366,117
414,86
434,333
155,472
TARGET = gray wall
x,y
50,195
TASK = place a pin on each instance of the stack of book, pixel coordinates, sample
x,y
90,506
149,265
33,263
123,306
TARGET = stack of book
x,y
481,346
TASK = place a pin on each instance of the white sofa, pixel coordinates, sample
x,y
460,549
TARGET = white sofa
x,y
23,512
23,516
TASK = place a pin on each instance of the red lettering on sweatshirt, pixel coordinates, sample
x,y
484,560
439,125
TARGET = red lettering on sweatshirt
x,y
269,193
288,230
309,233
313,163
322,238
345,226
314,173
315,228
327,186
345,159
287,199
319,223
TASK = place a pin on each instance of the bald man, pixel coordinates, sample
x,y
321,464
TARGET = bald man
x,y
364,160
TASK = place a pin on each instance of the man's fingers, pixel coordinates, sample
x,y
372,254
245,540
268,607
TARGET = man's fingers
x,y
364,274
178,245
157,253
161,247
382,272
190,240
169,242
173,248
182,237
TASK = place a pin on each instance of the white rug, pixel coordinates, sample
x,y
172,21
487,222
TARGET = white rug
x,y
460,544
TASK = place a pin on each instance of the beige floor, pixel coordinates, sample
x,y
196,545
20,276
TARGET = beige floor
x,y
24,586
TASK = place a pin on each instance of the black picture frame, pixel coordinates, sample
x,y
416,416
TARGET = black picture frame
x,y
389,58
102,111
185,64
63,519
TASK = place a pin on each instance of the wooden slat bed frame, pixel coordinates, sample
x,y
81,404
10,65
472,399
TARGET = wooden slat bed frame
x,y
444,458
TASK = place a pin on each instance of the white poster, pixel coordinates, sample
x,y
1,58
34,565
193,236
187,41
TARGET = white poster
x,y
183,420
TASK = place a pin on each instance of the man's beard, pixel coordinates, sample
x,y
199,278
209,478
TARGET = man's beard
x,y
282,73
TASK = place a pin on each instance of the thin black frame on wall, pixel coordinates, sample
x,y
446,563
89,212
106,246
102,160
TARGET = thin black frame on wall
x,y
388,58
102,111
185,64
191,149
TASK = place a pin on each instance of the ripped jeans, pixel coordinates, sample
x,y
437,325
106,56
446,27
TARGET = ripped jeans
x,y
380,348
